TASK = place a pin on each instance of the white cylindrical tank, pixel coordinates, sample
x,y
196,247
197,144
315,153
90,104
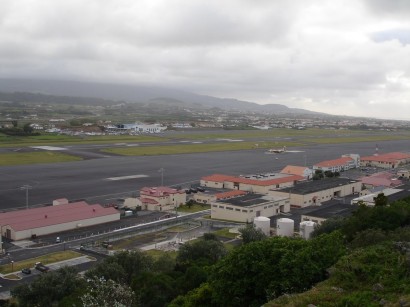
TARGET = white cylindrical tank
x,y
263,223
306,229
285,227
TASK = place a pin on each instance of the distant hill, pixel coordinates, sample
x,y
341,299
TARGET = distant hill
x,y
137,93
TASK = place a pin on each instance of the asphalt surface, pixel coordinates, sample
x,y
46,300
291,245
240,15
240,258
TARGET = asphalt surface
x,y
89,179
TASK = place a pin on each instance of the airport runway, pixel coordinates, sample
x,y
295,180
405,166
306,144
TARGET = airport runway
x,y
104,179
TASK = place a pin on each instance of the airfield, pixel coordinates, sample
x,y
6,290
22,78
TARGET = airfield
x,y
106,178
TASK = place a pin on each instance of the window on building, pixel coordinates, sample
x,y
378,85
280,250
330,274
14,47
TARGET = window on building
x,y
221,207
246,211
237,209
215,206
229,208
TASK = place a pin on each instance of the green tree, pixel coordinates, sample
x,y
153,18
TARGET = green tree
x,y
328,226
266,269
107,293
199,297
381,200
122,267
201,252
49,288
250,233
27,128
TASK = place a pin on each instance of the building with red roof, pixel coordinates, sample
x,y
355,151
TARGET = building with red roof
x,y
342,164
303,171
161,198
29,223
261,183
211,195
388,160
382,179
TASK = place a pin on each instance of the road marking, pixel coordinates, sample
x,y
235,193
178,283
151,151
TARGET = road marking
x,y
229,140
49,147
127,177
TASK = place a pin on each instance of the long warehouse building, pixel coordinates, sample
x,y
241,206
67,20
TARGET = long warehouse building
x,y
30,223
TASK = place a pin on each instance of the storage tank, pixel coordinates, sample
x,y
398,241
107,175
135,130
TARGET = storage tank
x,y
285,227
263,223
306,229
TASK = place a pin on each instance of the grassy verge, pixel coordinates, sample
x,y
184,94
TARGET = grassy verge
x,y
35,157
224,232
194,148
194,208
60,140
266,133
45,259
156,253
370,138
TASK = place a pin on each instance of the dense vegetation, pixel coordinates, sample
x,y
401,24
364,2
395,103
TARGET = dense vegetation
x,y
358,261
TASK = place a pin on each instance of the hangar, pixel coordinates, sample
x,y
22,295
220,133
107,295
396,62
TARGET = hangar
x,y
29,223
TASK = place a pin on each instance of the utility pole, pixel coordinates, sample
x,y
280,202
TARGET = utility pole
x,y
26,187
161,170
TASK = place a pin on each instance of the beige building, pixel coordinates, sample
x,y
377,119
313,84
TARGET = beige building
x,y
404,173
161,198
245,208
388,160
212,195
254,183
30,223
329,210
315,192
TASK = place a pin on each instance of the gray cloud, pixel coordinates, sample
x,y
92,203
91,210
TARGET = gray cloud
x,y
344,58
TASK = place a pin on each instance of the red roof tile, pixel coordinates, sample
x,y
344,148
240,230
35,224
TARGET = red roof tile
x,y
267,182
295,170
159,191
53,215
336,162
388,157
229,194
149,201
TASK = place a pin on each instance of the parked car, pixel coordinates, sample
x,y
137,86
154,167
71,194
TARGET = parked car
x,y
26,271
41,267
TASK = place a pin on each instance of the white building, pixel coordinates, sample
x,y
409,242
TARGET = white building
x,y
137,128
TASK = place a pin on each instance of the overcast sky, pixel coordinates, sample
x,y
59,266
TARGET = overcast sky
x,y
348,57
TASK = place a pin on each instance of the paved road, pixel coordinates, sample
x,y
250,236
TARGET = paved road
x,y
89,179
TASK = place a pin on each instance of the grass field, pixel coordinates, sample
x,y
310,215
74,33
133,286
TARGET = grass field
x,y
224,232
52,139
352,139
269,133
35,157
194,148
45,259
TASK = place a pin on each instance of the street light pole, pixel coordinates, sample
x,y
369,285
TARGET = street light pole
x,y
161,170
26,187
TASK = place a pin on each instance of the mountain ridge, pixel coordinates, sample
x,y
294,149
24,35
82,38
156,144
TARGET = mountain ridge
x,y
139,94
